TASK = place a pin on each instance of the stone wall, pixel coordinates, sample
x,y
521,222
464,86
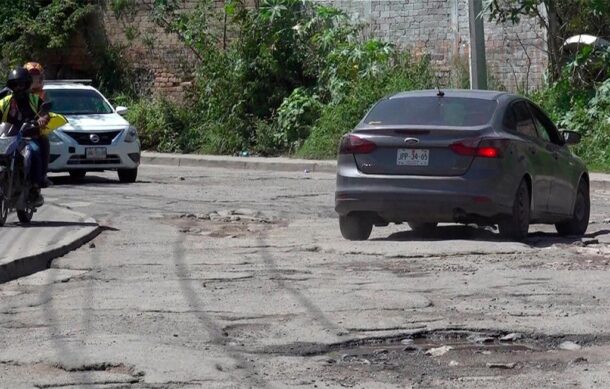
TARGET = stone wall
x,y
438,28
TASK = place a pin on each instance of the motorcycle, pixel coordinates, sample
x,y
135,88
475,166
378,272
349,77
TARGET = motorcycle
x,y
15,162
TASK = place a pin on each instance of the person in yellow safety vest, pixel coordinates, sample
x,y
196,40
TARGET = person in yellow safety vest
x,y
16,109
37,72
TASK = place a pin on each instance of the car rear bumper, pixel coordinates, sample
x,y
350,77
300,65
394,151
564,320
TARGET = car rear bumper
x,y
471,197
399,207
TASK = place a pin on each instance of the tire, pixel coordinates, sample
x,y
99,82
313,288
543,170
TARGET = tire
x,y
423,228
77,175
3,203
516,226
355,227
579,222
128,176
25,216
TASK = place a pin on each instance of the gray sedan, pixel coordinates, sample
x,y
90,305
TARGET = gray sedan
x,y
483,157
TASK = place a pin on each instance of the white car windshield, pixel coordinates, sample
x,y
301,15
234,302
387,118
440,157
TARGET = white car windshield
x,y
77,102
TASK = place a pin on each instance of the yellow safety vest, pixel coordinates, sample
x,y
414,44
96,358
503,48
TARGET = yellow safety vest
x,y
56,121
5,103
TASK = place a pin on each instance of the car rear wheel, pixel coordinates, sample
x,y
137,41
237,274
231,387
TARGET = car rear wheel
x,y
517,225
423,228
579,222
77,175
128,176
355,226
25,215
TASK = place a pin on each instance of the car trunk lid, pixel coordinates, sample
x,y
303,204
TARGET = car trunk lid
x,y
418,151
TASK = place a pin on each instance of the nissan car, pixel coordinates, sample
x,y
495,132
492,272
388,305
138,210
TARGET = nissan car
x,y
97,136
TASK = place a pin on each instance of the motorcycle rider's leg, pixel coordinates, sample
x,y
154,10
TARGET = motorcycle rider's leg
x,y
35,173
45,148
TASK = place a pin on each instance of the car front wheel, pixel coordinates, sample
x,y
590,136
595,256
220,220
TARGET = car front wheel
x,y
579,222
77,175
128,176
517,225
355,226
423,228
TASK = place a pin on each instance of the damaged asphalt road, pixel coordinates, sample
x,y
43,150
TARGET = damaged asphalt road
x,y
221,279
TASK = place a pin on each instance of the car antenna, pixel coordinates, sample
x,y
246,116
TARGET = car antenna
x,y
438,87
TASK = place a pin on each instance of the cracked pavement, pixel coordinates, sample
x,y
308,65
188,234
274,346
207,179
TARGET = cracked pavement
x,y
235,279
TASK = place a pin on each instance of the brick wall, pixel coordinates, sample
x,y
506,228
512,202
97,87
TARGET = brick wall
x,y
160,59
438,28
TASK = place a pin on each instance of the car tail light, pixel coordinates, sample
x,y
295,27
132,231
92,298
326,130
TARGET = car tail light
x,y
352,144
486,148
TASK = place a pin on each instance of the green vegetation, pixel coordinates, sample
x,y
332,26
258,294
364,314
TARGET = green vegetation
x,y
301,75
296,78
290,77
586,110
30,28
577,94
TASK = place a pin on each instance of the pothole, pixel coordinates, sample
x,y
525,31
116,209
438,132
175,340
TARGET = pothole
x,y
450,352
236,223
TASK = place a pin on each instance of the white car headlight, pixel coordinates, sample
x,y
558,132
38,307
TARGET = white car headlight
x,y
131,135
53,138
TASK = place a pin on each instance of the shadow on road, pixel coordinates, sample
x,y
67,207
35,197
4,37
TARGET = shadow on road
x,y
536,239
88,180
51,224
314,311
197,306
545,239
454,232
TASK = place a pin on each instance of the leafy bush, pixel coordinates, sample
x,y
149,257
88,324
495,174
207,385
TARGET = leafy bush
x,y
31,27
162,125
292,64
297,113
341,117
585,110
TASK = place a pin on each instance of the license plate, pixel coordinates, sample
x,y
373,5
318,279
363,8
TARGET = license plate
x,y
95,152
413,157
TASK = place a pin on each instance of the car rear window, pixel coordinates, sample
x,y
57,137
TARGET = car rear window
x,y
433,111
77,102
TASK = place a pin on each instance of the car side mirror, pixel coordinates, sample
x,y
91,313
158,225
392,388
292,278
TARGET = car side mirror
x,y
121,110
571,137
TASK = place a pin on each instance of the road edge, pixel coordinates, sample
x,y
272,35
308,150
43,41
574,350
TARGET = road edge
x,y
25,266
246,163
280,165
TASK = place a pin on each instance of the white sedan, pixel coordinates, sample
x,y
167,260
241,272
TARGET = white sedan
x,y
96,137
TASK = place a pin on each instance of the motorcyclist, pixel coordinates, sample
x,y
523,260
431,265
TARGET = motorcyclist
x,y
16,109
37,72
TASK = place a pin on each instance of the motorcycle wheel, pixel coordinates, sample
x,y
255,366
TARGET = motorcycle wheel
x,y
25,215
3,202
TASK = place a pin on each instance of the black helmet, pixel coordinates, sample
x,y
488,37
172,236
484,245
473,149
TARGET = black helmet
x,y
19,80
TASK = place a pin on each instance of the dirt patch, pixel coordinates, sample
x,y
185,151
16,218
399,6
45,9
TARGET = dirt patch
x,y
225,223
